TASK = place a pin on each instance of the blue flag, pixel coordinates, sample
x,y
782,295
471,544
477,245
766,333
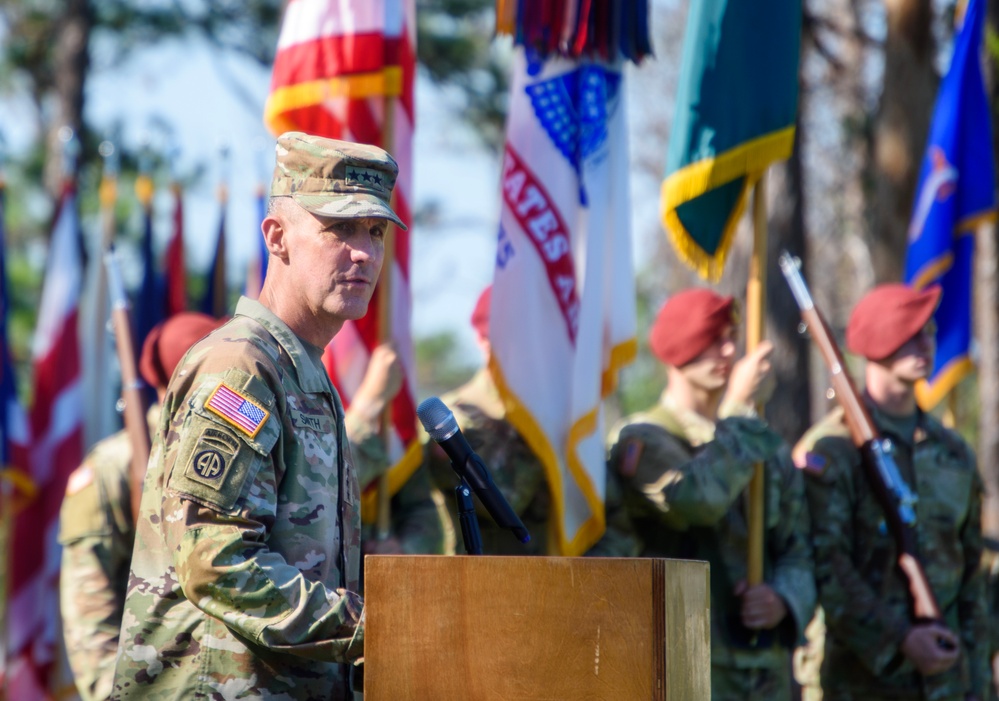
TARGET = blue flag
x,y
956,193
8,391
214,301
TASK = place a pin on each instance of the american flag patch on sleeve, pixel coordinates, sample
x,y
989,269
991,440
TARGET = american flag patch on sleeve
x,y
237,410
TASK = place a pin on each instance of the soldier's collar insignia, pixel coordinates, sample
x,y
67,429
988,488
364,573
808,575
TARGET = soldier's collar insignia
x,y
237,410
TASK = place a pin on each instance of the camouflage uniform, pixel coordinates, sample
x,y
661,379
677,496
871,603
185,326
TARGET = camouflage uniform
x,y
520,476
863,594
683,479
96,531
248,542
416,521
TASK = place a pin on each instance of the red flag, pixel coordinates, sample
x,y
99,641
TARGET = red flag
x,y
176,278
57,449
341,67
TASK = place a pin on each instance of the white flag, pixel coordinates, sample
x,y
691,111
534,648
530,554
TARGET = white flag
x,y
563,303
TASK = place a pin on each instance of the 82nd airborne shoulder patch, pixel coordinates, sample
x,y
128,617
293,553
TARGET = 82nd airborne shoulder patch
x,y
237,410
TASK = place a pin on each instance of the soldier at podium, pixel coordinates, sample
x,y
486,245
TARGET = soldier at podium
x,y
247,549
683,467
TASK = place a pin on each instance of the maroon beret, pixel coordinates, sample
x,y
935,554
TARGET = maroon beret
x,y
887,317
480,315
688,323
168,341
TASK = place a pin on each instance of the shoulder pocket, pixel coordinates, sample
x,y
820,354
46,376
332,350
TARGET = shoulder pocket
x,y
229,432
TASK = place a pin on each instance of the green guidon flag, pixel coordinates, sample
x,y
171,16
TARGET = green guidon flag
x,y
735,112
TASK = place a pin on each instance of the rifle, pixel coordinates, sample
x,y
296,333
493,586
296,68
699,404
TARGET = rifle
x,y
132,403
891,491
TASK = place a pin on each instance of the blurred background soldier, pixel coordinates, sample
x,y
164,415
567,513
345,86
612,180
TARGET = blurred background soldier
x,y
97,528
873,648
416,519
520,476
684,465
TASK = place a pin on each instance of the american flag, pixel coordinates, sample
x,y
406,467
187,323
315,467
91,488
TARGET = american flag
x,y
237,409
57,428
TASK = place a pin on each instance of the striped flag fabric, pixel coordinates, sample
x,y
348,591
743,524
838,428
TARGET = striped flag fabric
x,y
175,273
955,194
237,410
57,449
344,69
562,320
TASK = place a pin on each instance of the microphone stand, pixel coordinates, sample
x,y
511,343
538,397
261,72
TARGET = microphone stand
x,y
470,533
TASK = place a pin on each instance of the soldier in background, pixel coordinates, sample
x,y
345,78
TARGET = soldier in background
x,y
416,523
515,469
97,528
873,648
247,550
684,465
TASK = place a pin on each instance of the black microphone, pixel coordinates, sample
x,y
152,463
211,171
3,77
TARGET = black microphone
x,y
439,422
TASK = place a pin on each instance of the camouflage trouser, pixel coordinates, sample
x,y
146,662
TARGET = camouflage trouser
x,y
760,684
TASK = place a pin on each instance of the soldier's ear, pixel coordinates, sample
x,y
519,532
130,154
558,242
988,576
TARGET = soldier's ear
x,y
273,229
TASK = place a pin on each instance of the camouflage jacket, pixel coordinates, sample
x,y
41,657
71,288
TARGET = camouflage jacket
x,y
96,531
248,542
683,480
863,594
519,475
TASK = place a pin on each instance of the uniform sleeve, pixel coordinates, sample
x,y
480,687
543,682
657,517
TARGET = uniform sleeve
x,y
91,589
683,491
371,460
793,574
219,507
416,516
971,602
852,608
619,538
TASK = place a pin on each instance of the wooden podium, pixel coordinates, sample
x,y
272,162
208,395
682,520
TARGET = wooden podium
x,y
466,628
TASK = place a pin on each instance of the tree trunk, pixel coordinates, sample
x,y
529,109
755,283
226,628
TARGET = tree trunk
x,y
71,60
987,327
789,409
900,131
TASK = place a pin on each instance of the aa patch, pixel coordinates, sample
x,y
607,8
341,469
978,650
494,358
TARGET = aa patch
x,y
237,410
212,456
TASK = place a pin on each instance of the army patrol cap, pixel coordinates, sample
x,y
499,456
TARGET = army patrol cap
x,y
688,323
887,317
335,179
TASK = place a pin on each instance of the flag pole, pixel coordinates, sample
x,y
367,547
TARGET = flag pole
x,y
383,518
756,291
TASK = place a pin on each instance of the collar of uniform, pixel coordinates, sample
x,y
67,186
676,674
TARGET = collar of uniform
x,y
482,392
697,429
896,426
310,377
